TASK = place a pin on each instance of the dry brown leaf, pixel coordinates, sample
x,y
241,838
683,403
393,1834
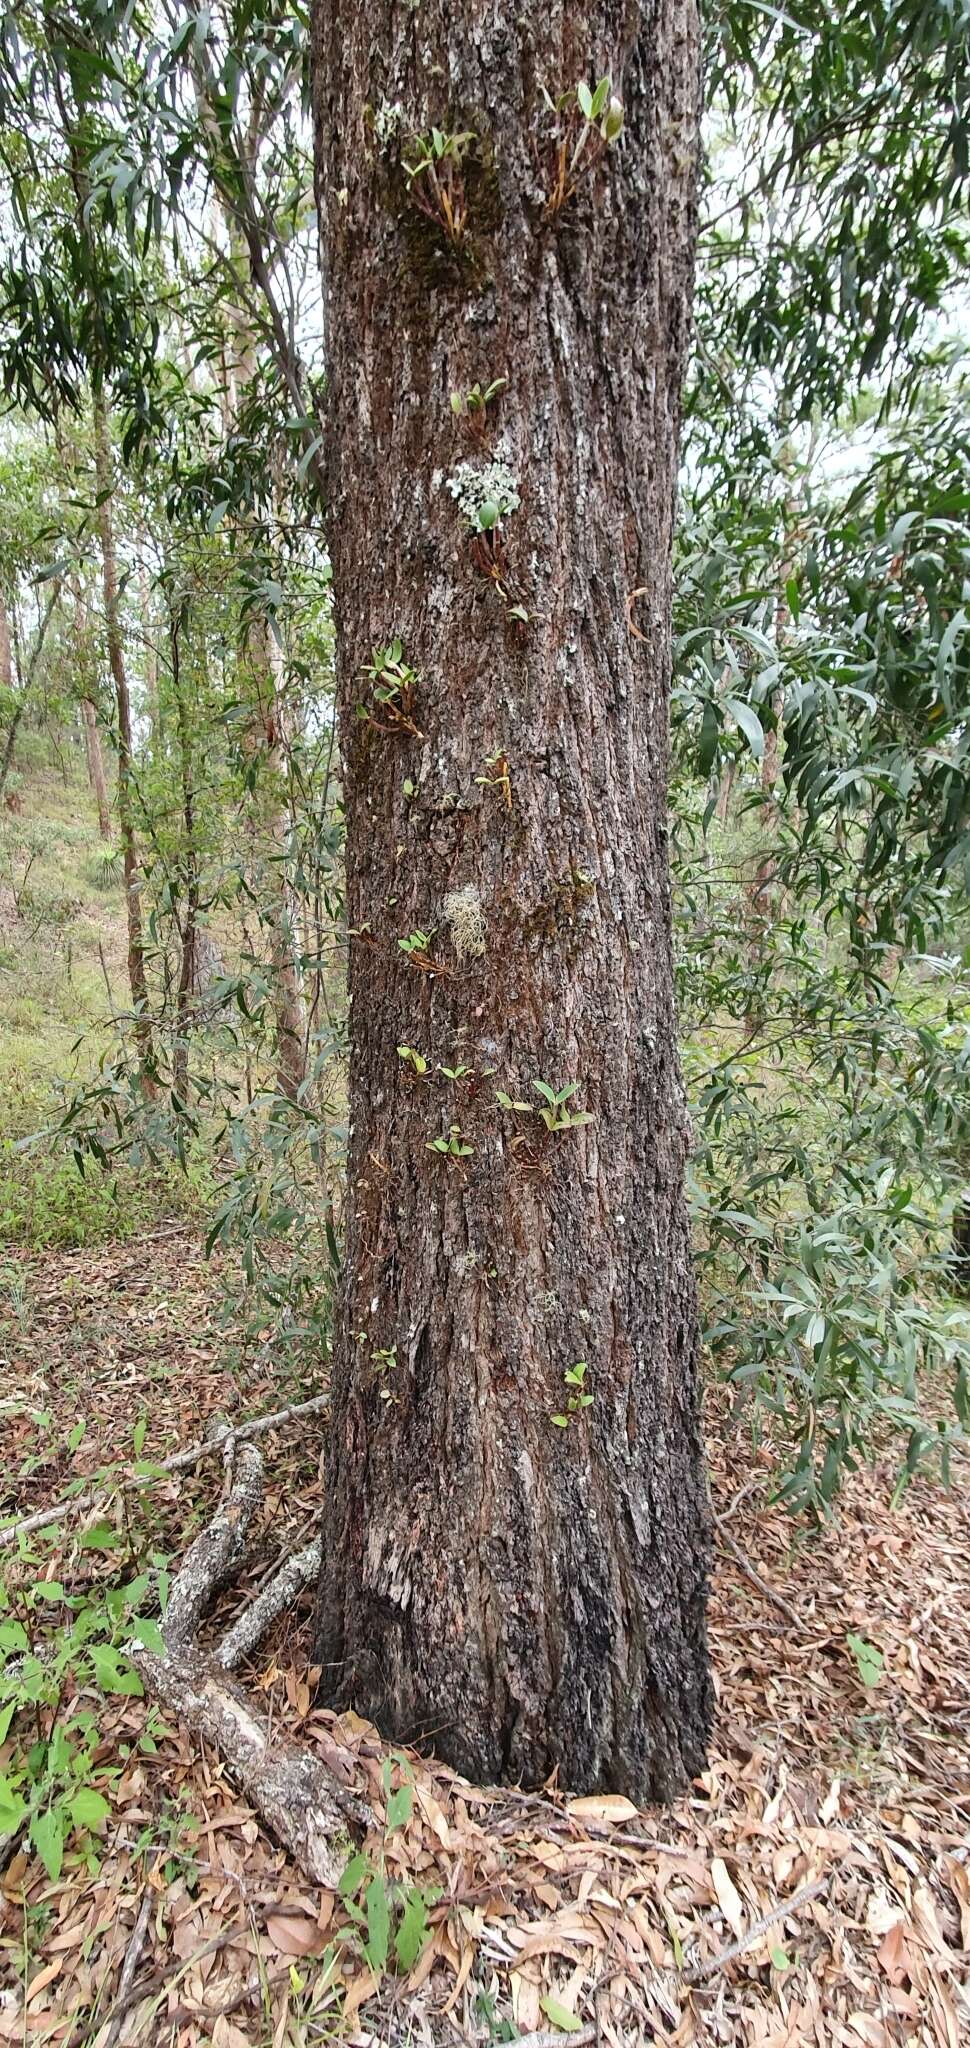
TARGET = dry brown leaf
x,y
610,1806
728,1897
294,1936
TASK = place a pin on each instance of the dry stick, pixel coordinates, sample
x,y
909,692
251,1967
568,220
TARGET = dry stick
x,y
756,1579
156,1983
130,1966
177,1463
702,1971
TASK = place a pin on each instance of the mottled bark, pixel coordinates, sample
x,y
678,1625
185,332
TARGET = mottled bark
x,y
95,761
531,1596
137,979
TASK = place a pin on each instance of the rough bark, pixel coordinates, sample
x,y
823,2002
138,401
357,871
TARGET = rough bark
x,y
95,760
137,979
529,1595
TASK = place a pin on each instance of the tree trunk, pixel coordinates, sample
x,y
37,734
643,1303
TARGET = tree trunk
x,y
189,933
529,1591
6,657
95,759
109,569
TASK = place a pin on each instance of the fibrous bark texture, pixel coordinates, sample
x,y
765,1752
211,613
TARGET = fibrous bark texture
x,y
526,1592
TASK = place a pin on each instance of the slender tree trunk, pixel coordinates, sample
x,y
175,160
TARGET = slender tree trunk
x,y
517,1574
6,656
137,979
9,744
95,759
151,648
188,963
279,910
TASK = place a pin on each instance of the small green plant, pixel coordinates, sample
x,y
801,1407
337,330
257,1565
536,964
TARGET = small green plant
x,y
453,1146
416,942
435,180
454,1073
585,123
393,684
389,1917
578,1396
60,1651
471,407
411,1057
552,1108
501,778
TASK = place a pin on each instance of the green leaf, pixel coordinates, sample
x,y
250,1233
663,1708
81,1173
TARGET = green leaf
x,y
707,745
413,1930
399,1807
148,1633
749,723
870,1661
353,1877
113,1672
47,1835
585,98
87,1807
560,2015
138,1434
378,1924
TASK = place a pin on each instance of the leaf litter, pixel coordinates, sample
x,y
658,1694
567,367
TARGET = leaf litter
x,y
812,1887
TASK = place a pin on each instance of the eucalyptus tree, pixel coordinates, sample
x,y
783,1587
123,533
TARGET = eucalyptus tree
x,y
516,1531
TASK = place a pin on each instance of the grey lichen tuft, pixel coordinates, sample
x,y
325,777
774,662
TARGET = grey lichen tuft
x,y
485,492
462,913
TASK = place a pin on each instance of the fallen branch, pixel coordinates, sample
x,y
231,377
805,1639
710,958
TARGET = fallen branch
x,y
701,1971
755,1577
258,1616
302,1804
178,1462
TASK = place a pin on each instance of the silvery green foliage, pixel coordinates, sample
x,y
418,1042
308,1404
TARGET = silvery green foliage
x,y
485,492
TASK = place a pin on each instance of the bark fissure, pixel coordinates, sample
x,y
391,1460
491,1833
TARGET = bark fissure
x,y
530,1595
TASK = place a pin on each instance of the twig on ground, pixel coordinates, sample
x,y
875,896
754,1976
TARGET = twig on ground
x,y
701,1971
178,1462
130,1965
153,1985
745,1565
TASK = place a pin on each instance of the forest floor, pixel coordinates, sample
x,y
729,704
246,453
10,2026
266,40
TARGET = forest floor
x,y
813,1886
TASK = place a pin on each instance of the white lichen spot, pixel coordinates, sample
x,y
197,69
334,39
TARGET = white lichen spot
x,y
387,121
462,913
485,492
